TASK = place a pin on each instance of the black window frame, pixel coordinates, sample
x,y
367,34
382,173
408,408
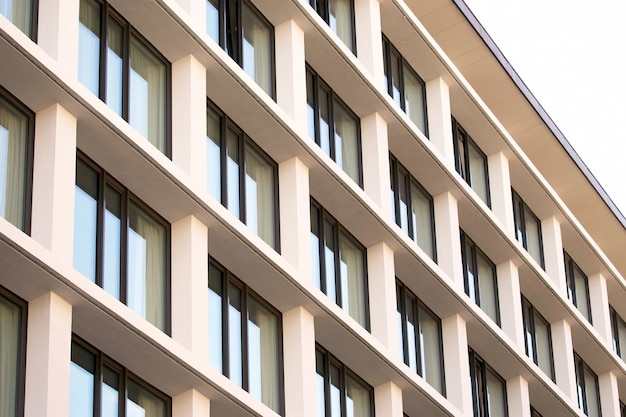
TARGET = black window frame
x,y
322,8
520,211
534,413
622,409
127,197
580,366
617,322
572,292
480,401
460,134
529,316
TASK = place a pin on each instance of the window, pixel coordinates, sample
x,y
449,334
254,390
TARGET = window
x,y
577,287
242,176
246,35
340,393
471,162
13,354
587,388
244,337
339,265
488,389
479,275
22,13
120,244
101,387
538,339
17,128
127,73
527,229
618,326
420,337
413,208
534,413
622,409
333,126
339,14
404,85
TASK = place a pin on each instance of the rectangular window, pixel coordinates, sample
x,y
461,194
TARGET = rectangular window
x,y
413,208
245,337
120,244
127,73
22,13
618,326
339,14
17,129
479,275
587,388
246,35
488,389
471,162
333,126
339,265
242,177
340,393
577,287
527,229
421,344
404,85
101,387
12,354
538,338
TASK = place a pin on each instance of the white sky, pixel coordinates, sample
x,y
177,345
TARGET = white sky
x,y
572,56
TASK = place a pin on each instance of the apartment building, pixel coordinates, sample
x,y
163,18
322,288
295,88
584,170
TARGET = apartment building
x,y
293,208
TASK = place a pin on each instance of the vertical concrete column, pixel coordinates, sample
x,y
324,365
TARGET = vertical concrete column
x,y
518,398
196,9
456,360
440,119
48,355
191,404
609,394
600,313
189,285
500,189
300,387
295,216
57,33
564,369
388,400
189,118
290,70
448,238
382,295
376,181
54,177
553,252
369,43
510,302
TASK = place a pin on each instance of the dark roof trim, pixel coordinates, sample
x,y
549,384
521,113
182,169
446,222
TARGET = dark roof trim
x,y
497,53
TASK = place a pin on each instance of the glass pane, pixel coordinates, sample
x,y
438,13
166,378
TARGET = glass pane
x,y
213,20
82,380
19,12
340,20
460,154
85,220
260,196
478,173
582,301
542,337
422,220
395,79
263,360
319,383
112,246
324,121
235,370
215,317
430,342
347,152
468,266
329,260
232,172
146,110
231,45
115,66
257,49
335,392
142,403
411,326
591,393
110,393
487,287
10,321
403,199
353,284
414,99
310,104
146,266
496,396
13,147
621,334
533,236
358,399
400,322
213,154
89,45
529,335
315,247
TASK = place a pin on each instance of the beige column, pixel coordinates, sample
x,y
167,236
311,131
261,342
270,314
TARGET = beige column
x,y
191,403
510,301
564,369
500,191
456,360
54,177
382,296
388,400
48,355
609,394
290,70
57,33
553,252
189,285
517,396
448,238
440,119
189,119
295,216
600,313
369,42
376,181
299,359
196,9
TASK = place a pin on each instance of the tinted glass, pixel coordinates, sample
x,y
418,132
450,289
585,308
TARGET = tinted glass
x,y
85,220
89,45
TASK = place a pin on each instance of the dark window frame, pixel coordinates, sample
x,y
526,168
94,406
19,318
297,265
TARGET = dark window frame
x,y
580,366
520,211
479,388
322,8
534,413
459,133
616,322
528,310
570,268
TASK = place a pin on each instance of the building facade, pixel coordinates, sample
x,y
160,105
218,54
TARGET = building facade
x,y
295,208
